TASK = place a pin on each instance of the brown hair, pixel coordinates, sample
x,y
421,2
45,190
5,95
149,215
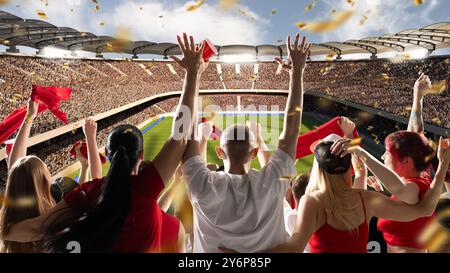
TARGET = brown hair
x,y
28,179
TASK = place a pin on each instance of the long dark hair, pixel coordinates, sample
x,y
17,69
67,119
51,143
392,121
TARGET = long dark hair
x,y
98,229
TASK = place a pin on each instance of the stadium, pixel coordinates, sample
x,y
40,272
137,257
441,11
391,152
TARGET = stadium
x,y
241,83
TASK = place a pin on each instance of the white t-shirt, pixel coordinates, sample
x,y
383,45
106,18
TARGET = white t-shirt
x,y
241,212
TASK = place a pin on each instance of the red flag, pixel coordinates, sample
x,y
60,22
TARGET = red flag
x,y
47,97
305,141
84,151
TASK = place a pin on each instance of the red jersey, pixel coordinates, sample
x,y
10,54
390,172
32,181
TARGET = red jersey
x,y
328,239
405,234
146,228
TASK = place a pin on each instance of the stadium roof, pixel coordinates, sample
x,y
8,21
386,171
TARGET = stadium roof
x,y
15,31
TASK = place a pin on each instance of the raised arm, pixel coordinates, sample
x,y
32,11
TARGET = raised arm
x,y
406,192
95,164
293,113
306,224
421,87
205,130
83,176
360,182
263,151
20,145
167,160
166,198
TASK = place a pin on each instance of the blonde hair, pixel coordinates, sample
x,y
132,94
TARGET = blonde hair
x,y
28,179
336,194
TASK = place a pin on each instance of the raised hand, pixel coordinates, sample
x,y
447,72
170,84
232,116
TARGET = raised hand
x,y
297,54
347,126
90,127
80,157
255,128
205,130
422,86
192,60
373,182
344,147
32,109
443,153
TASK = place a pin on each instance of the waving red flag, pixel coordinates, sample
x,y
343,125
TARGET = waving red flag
x,y
47,97
305,141
84,152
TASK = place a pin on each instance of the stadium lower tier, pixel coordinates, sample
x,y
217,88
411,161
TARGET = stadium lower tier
x,y
102,85
55,152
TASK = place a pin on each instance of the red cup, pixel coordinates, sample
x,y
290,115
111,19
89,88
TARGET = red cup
x,y
209,51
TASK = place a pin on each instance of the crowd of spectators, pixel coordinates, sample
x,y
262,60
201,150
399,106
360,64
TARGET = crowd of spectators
x,y
99,86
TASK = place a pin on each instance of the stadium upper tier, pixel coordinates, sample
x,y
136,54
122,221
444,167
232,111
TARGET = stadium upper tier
x,y
101,85
15,31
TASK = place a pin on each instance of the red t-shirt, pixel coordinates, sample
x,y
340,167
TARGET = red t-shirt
x,y
147,228
405,234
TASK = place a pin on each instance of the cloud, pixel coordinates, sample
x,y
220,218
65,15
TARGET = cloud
x,y
385,17
158,22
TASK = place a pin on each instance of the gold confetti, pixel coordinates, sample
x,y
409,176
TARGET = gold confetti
x,y
351,2
310,6
297,111
82,34
418,2
328,90
330,57
385,76
274,11
247,14
434,236
227,4
96,8
355,142
286,177
437,121
41,14
338,18
102,24
196,5
4,2
438,87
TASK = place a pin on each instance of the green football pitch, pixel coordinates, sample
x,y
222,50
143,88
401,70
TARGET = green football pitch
x,y
272,125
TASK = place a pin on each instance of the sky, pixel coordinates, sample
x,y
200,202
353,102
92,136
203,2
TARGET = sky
x,y
264,21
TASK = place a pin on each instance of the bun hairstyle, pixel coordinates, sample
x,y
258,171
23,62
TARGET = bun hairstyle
x,y
97,230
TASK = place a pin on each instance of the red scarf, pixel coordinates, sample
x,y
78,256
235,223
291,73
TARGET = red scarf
x,y
47,97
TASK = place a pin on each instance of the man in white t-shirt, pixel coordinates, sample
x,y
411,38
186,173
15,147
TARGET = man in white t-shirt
x,y
242,208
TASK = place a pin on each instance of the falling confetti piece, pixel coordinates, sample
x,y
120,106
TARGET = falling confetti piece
x,y
355,142
297,111
286,177
227,4
385,76
351,2
437,121
196,5
274,11
310,6
96,8
418,2
102,24
41,14
438,88
247,14
328,90
338,18
330,57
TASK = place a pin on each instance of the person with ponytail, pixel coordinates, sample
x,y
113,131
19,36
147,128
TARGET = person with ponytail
x,y
119,212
